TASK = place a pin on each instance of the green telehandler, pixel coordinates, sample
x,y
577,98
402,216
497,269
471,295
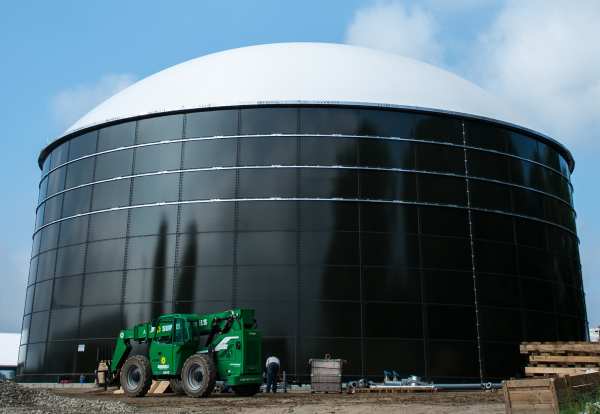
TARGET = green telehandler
x,y
192,352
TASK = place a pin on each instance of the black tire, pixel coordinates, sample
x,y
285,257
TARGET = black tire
x,y
199,376
136,376
246,390
177,386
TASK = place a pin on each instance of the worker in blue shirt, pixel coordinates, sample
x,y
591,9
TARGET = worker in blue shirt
x,y
272,366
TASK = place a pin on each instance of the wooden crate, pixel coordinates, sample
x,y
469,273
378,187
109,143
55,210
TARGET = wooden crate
x,y
547,395
326,375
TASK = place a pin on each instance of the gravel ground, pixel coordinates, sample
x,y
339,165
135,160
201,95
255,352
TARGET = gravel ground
x,y
306,403
22,400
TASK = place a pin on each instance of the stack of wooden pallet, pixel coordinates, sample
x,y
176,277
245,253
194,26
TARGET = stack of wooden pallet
x,y
560,358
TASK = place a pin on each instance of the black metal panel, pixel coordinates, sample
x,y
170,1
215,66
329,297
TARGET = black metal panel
x,y
206,185
111,194
114,164
192,284
328,121
440,158
59,155
211,123
63,325
153,158
83,145
67,292
156,188
268,150
265,121
73,231
105,255
389,284
152,220
56,181
43,296
385,124
207,249
328,151
149,285
357,243
77,201
80,172
209,153
70,260
438,128
103,288
386,153
116,136
266,248
263,283
109,225
161,128
267,182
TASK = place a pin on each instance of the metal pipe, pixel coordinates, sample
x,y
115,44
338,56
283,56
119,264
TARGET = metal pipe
x,y
476,386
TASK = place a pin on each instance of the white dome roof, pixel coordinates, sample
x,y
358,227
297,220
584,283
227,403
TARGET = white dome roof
x,y
300,73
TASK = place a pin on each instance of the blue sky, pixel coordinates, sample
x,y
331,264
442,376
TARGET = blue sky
x,y
60,59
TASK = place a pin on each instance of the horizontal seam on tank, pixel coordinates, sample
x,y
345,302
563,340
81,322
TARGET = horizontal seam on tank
x,y
320,167
293,232
303,199
306,301
191,139
303,104
562,284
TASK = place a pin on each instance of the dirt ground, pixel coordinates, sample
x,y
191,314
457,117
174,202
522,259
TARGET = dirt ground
x,y
305,402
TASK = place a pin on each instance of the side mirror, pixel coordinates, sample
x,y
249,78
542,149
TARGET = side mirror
x,y
154,321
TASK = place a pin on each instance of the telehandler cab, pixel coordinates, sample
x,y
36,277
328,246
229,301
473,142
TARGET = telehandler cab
x,y
191,352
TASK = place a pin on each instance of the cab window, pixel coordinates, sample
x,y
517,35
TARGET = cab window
x,y
181,334
193,329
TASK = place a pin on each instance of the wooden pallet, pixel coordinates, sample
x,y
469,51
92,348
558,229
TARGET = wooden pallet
x,y
560,358
393,390
157,387
553,348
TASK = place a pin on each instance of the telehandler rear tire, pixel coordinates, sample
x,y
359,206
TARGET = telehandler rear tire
x,y
177,386
199,376
136,376
246,390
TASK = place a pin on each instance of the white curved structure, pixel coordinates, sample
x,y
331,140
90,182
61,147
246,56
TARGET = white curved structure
x,y
303,72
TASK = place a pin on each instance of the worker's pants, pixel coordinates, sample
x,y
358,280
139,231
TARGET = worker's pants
x,y
272,373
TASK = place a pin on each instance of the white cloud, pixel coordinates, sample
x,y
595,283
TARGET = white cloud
x,y
390,26
13,276
71,104
542,56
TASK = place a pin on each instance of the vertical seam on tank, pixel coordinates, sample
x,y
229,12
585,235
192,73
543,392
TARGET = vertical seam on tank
x,y
475,281
85,256
236,214
34,284
516,247
62,206
363,310
579,268
424,313
297,341
128,233
549,255
176,270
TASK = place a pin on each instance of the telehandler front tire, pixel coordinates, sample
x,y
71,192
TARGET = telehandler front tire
x,y
177,386
136,376
246,390
199,376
